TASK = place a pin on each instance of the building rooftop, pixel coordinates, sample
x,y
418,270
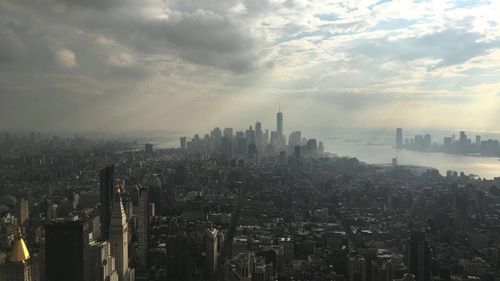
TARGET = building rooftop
x,y
19,252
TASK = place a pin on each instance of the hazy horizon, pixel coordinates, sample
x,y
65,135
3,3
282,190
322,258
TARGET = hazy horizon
x,y
193,65
190,133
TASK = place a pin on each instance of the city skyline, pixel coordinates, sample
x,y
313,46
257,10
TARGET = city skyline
x,y
249,140
240,205
128,65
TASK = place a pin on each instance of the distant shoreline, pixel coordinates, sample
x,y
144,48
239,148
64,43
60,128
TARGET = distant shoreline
x,y
472,154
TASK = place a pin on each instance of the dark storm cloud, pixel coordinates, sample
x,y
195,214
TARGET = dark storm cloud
x,y
217,6
205,35
11,46
93,4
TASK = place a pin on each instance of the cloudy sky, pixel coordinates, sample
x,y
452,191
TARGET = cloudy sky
x,y
192,64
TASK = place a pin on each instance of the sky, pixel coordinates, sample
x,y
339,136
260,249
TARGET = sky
x,y
118,65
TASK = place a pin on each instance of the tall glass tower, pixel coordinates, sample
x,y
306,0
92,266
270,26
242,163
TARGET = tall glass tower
x,y
279,123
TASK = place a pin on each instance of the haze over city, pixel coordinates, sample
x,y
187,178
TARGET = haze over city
x,y
249,140
146,65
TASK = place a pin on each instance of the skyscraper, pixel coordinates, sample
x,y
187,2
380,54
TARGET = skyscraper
x,y
297,151
118,236
357,269
106,182
463,138
250,135
252,151
279,123
22,211
419,256
295,139
312,147
399,138
102,262
321,148
427,140
213,249
228,133
143,228
183,144
182,175
18,266
148,148
258,127
67,251
259,135
216,134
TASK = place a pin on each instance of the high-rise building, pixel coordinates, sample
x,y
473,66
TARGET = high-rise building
x,y
213,249
447,141
357,269
321,148
148,148
151,211
312,146
478,140
419,141
427,140
295,139
419,256
183,144
252,151
106,182
118,237
6,138
463,138
178,260
239,135
274,138
67,251
102,263
399,138
297,151
250,135
228,133
279,123
182,175
143,229
259,135
258,126
227,146
22,211
216,134
286,248
242,146
18,266
397,267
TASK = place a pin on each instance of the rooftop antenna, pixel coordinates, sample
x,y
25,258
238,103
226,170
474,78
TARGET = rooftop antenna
x,y
279,107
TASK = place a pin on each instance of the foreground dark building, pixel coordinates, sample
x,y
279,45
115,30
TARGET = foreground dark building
x,y
106,183
67,251
419,256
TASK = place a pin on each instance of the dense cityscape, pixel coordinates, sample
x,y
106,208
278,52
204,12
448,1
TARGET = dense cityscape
x,y
462,145
236,206
145,140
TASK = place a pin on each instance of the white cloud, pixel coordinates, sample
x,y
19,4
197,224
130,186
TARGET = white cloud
x,y
65,58
121,59
193,57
